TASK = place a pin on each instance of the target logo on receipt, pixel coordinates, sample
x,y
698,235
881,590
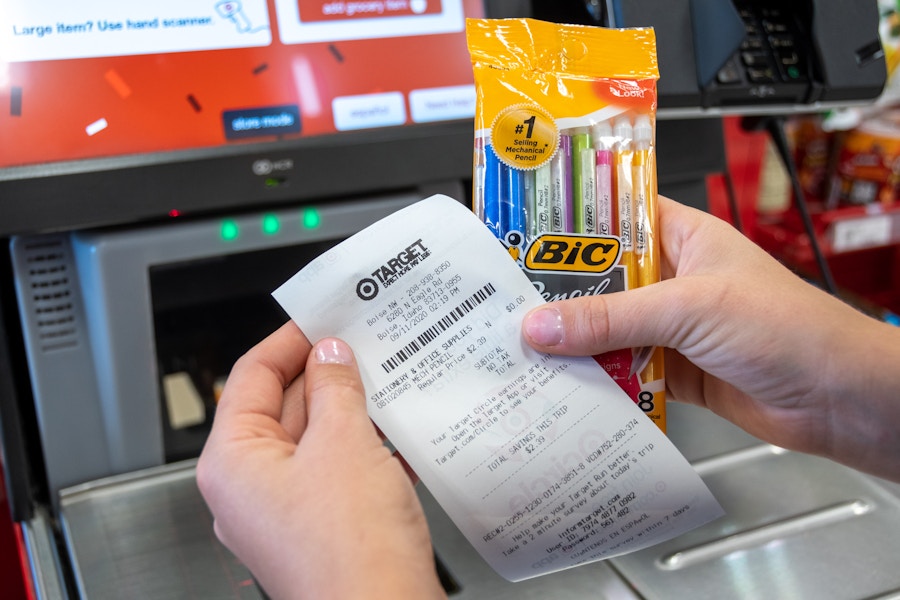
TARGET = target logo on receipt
x,y
392,270
543,462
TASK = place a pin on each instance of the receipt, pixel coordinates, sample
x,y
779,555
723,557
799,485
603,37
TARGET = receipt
x,y
542,461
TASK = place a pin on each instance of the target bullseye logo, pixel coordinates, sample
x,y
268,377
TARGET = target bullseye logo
x,y
367,289
392,270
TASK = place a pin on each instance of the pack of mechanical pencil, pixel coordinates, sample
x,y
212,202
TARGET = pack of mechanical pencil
x,y
565,167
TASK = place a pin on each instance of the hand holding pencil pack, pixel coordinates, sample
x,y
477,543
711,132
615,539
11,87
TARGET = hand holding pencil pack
x,y
565,169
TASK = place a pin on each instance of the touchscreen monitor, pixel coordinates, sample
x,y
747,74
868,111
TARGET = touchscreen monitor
x,y
101,78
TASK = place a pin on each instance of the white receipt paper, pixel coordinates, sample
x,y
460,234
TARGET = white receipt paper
x,y
541,461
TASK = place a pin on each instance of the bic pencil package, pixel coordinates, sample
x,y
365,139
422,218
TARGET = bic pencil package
x,y
565,168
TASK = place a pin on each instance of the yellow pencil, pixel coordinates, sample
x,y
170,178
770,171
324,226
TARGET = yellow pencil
x,y
649,361
646,249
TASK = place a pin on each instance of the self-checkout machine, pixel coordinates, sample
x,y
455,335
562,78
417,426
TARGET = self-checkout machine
x,y
204,153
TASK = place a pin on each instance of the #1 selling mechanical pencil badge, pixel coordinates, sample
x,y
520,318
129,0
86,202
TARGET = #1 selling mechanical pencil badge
x,y
565,166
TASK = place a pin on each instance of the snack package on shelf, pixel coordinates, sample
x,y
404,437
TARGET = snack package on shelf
x,y
868,165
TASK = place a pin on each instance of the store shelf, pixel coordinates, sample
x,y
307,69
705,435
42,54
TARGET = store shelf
x,y
861,245
838,231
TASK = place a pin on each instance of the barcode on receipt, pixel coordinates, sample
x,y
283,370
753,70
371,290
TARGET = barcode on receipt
x,y
431,334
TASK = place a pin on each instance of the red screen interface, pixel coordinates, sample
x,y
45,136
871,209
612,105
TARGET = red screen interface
x,y
106,78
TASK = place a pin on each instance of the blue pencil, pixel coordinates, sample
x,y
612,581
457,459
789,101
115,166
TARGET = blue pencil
x,y
512,199
492,181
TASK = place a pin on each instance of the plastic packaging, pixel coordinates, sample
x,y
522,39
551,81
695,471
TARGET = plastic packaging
x,y
565,166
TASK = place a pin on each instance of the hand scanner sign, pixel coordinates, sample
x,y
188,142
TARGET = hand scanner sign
x,y
58,29
541,461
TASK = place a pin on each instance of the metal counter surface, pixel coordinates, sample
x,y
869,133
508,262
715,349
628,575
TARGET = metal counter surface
x,y
796,527
150,536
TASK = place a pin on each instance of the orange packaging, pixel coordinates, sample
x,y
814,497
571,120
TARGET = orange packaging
x,y
868,169
565,166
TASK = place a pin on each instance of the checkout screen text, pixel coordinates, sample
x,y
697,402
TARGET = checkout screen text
x,y
108,78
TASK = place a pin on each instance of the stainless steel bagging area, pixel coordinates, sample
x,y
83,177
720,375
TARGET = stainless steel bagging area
x,y
796,527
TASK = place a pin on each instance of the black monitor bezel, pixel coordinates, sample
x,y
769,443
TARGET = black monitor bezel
x,y
137,188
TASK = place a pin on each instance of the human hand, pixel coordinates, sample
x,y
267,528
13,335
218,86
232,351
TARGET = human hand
x,y
749,340
301,487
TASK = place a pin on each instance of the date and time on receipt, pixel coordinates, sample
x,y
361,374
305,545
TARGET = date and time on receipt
x,y
542,461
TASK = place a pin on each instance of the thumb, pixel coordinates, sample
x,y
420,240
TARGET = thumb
x,y
647,316
334,390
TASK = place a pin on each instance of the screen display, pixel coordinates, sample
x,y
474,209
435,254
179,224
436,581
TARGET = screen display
x,y
105,78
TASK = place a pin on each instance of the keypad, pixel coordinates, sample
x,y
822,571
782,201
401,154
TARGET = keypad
x,y
771,52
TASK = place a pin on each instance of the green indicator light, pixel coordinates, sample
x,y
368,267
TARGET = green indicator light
x,y
270,225
793,72
230,230
311,218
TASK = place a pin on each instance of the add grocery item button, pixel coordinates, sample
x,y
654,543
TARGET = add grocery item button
x,y
259,122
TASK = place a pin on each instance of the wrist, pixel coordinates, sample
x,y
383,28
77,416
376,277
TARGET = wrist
x,y
863,399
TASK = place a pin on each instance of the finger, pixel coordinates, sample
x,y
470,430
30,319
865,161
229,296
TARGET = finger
x,y
293,411
671,313
684,381
669,252
409,470
655,315
258,379
334,391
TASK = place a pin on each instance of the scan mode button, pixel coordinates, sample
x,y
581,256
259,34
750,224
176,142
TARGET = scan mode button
x,y
259,122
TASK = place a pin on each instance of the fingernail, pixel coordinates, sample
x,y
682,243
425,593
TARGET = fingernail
x,y
544,326
333,351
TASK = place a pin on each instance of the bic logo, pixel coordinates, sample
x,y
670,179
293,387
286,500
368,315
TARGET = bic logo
x,y
568,252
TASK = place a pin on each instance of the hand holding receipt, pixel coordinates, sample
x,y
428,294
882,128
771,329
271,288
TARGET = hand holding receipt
x,y
291,488
530,462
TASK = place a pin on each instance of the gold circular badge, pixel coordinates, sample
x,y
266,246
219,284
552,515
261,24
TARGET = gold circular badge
x,y
524,136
